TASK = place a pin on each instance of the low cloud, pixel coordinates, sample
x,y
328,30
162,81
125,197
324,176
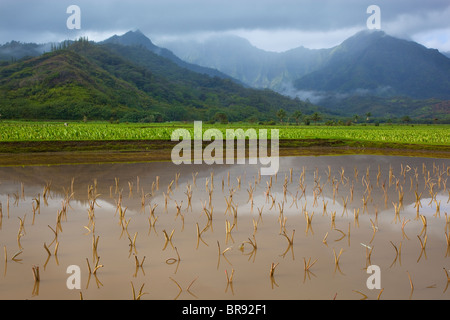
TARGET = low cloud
x,y
275,25
317,97
283,40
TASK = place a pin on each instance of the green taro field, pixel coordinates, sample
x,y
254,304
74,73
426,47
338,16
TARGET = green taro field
x,y
21,131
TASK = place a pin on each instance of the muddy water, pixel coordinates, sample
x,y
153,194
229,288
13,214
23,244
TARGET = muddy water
x,y
320,187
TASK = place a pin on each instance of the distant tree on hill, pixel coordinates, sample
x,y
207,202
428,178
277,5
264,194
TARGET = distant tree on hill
x,y
297,116
406,119
158,117
307,120
316,117
281,114
221,117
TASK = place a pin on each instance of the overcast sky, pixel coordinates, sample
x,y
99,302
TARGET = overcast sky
x,y
275,25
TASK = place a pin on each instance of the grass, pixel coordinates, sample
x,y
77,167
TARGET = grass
x,y
91,141
14,131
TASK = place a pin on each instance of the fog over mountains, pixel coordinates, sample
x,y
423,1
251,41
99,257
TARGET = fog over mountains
x,y
126,78
258,68
370,62
133,38
369,72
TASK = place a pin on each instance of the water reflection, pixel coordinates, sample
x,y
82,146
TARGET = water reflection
x,y
307,233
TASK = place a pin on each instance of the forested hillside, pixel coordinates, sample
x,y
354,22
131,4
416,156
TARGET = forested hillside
x,y
129,83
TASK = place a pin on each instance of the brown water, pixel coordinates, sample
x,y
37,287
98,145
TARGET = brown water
x,y
327,180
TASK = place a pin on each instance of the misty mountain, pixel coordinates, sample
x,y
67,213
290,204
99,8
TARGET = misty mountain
x,y
370,62
447,54
257,68
15,50
118,82
137,38
378,64
369,72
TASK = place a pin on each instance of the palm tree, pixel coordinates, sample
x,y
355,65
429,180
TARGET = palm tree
x,y
297,116
281,114
316,117
368,115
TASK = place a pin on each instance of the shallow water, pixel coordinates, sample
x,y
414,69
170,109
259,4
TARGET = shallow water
x,y
326,181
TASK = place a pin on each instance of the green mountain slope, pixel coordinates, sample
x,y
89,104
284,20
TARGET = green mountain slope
x,y
370,62
369,72
397,107
128,83
138,39
382,65
64,85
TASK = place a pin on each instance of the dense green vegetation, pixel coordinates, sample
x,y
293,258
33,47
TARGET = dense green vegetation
x,y
124,82
391,109
369,72
113,82
12,131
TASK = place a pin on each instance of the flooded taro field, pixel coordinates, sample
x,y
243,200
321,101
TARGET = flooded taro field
x,y
160,231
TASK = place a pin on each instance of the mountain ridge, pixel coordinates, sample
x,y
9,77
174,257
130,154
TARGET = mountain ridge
x,y
137,38
290,72
105,81
446,53
343,78
376,61
237,57
15,50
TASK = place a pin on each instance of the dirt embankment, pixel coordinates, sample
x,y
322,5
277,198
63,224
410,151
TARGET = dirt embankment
x,y
65,152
